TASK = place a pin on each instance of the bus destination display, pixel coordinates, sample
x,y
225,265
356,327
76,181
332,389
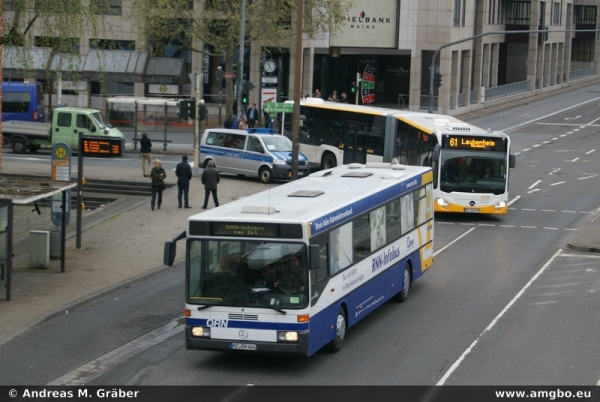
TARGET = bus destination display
x,y
102,146
474,143
244,229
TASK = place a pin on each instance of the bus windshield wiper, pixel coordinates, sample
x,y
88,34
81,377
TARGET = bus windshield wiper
x,y
273,307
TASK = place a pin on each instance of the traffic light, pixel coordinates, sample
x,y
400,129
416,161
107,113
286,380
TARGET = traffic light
x,y
186,109
202,112
437,80
353,87
244,98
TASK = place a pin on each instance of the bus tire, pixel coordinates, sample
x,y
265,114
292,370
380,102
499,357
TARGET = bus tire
x,y
33,147
402,296
340,331
265,175
19,145
328,161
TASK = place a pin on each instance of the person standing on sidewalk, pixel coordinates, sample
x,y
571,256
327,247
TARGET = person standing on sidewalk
x,y
183,171
210,178
157,174
146,154
252,115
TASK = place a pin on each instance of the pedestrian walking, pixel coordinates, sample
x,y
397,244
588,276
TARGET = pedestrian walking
x,y
252,116
183,171
210,178
146,154
157,174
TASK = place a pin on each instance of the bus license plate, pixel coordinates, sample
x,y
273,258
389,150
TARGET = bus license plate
x,y
243,346
472,210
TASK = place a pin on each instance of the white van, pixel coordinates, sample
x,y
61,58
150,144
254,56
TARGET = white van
x,y
255,152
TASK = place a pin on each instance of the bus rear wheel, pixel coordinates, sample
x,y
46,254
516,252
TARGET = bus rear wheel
x,y
340,331
403,295
328,161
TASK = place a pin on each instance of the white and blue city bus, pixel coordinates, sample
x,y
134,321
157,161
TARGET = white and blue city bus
x,y
361,234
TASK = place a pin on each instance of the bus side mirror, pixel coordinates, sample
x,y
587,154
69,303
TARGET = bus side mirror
x,y
436,152
169,254
512,160
314,256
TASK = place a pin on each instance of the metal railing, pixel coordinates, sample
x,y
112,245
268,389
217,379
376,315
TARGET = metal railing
x,y
424,102
508,89
585,72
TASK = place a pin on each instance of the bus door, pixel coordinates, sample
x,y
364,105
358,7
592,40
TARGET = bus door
x,y
355,144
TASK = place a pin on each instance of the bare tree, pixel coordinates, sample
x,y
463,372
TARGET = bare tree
x,y
216,23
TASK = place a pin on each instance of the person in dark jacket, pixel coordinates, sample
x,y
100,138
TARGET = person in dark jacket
x,y
157,174
252,115
183,171
210,178
229,122
146,154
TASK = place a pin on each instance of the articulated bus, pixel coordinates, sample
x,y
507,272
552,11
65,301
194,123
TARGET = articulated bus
x,y
470,164
290,269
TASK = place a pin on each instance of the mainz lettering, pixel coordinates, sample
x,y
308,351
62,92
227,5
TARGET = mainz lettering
x,y
385,258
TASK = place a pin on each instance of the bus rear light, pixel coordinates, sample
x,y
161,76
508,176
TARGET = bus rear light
x,y
201,332
303,318
284,336
35,116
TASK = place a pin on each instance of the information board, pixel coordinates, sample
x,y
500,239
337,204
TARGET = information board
x,y
61,171
96,146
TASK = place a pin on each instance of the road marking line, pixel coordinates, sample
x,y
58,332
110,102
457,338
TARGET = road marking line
x,y
529,227
517,198
587,177
547,210
557,183
457,363
550,228
453,241
535,184
589,152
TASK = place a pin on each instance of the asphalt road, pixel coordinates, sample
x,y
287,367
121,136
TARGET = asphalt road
x,y
505,303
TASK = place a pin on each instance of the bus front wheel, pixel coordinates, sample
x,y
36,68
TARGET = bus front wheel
x,y
328,161
340,331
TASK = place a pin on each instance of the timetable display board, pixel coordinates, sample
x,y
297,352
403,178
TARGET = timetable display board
x,y
96,146
475,143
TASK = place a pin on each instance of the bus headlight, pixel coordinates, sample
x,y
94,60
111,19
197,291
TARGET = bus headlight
x,y
278,162
287,336
501,205
201,332
442,202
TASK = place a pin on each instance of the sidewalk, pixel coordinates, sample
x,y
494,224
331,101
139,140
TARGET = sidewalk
x,y
120,243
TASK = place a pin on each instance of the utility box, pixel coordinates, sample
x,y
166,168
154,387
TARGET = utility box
x,y
39,249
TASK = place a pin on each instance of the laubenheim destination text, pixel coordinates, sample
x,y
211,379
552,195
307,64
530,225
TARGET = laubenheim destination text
x,y
80,393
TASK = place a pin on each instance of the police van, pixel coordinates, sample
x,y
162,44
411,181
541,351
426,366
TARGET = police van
x,y
252,152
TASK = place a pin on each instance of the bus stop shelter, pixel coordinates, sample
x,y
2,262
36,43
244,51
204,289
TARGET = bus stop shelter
x,y
26,191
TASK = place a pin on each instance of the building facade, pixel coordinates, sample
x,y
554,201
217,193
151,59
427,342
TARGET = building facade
x,y
384,54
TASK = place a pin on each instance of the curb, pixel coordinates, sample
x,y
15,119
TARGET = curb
x,y
588,239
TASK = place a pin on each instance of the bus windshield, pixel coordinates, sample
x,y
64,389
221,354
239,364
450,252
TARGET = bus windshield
x,y
247,273
473,171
